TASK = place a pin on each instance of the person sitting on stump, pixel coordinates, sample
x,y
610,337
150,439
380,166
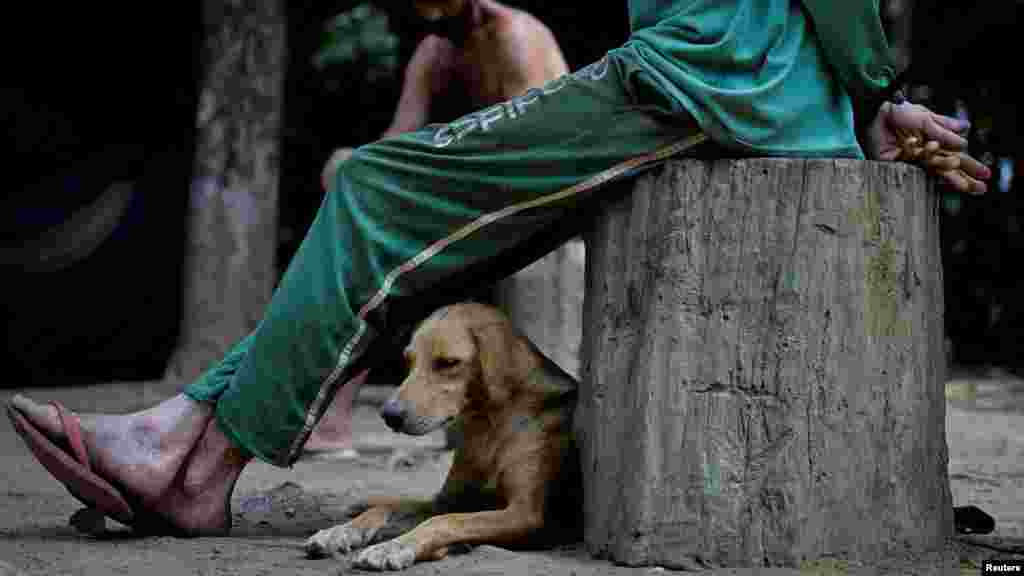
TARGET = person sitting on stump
x,y
411,220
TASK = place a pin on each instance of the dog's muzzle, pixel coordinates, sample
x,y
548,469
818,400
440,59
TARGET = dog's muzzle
x,y
400,418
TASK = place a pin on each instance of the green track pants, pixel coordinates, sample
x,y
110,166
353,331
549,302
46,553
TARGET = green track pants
x,y
410,220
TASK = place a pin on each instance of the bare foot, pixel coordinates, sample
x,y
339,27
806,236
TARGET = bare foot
x,y
333,434
145,452
200,502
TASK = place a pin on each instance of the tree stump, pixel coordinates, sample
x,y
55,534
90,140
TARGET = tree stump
x,y
232,229
763,366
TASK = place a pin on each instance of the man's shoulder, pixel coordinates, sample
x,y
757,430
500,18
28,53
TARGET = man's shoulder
x,y
433,49
520,26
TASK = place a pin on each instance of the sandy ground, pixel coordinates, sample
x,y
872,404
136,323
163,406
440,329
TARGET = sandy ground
x,y
276,509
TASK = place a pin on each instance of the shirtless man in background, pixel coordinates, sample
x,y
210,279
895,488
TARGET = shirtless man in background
x,y
478,53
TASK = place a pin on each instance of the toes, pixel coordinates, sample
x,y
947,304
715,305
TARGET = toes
x,y
43,416
337,540
391,555
317,546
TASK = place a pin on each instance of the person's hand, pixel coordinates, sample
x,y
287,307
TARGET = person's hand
x,y
913,133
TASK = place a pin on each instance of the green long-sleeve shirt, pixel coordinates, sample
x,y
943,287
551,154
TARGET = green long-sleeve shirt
x,y
774,77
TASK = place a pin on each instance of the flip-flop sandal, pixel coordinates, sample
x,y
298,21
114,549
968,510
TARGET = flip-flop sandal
x,y
972,520
72,469
108,497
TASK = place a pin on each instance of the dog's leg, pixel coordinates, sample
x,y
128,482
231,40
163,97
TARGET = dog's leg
x,y
384,518
431,539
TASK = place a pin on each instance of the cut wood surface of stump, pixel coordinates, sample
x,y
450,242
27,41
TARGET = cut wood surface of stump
x,y
763,366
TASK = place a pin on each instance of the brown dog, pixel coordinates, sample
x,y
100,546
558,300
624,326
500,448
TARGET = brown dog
x,y
515,479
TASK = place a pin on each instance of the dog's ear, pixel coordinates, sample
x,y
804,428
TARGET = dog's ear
x,y
504,358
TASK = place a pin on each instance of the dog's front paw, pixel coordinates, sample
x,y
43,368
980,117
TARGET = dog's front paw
x,y
390,555
340,539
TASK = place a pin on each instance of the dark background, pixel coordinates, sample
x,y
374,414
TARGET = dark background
x,y
94,94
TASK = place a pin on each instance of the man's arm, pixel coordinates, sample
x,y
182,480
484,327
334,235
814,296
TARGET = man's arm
x,y
428,72
531,54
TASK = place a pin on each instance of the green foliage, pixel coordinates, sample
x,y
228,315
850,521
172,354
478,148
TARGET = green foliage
x,y
363,36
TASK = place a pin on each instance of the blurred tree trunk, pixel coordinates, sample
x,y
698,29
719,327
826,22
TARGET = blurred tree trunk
x,y
232,216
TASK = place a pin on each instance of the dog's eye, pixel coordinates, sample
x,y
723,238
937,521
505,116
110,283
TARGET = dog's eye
x,y
444,363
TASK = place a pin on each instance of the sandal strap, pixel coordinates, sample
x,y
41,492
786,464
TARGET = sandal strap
x,y
73,430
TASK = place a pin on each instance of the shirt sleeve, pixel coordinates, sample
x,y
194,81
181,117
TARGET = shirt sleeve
x,y
854,43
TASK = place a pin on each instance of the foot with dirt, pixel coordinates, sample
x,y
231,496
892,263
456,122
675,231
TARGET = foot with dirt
x,y
171,462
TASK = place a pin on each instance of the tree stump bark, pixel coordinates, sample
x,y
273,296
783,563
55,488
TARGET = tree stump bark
x,y
763,366
232,215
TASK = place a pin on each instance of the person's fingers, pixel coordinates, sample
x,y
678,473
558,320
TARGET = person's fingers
x,y
953,124
977,187
957,180
962,182
934,159
906,138
946,138
918,121
927,152
911,152
973,168
963,172
942,162
889,153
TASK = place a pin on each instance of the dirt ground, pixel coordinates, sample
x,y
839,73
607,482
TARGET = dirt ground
x,y
276,509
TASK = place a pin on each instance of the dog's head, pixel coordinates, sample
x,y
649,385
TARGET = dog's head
x,y
461,358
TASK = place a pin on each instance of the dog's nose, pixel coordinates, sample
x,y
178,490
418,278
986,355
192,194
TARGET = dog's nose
x,y
393,413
